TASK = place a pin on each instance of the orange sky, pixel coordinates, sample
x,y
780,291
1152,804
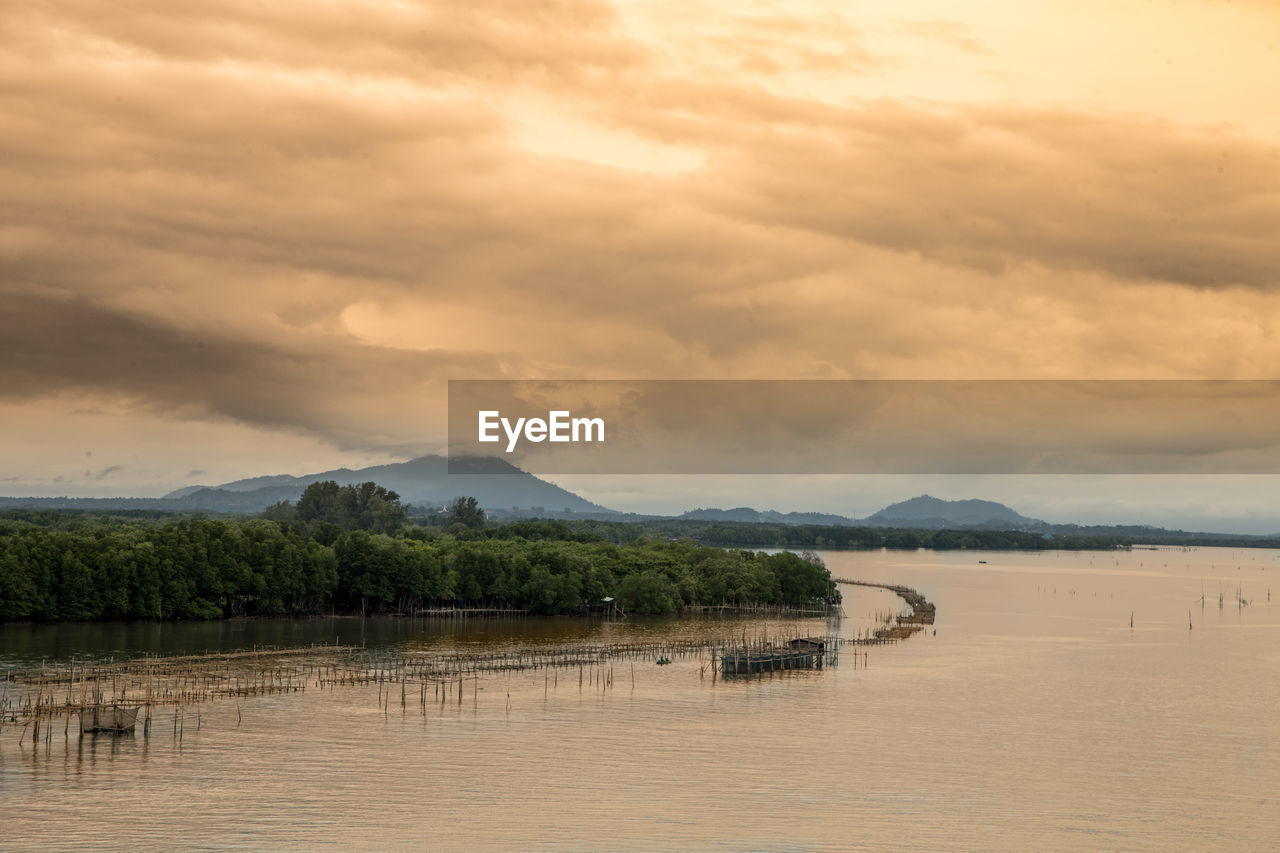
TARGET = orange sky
x,y
242,238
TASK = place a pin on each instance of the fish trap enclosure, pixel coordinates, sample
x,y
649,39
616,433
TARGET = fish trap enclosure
x,y
800,653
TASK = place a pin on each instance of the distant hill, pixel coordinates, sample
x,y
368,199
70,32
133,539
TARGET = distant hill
x,y
424,481
924,512
769,516
930,512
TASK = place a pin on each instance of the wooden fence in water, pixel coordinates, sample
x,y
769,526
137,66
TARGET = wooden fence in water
x,y
34,698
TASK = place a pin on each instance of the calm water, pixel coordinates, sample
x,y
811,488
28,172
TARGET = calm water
x,y
1035,718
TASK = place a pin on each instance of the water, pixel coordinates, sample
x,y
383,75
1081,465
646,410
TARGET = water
x,y
1036,718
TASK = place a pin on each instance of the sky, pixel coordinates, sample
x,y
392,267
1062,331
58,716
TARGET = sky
x,y
242,238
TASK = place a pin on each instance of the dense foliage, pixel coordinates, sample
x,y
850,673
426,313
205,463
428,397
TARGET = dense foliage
x,y
216,568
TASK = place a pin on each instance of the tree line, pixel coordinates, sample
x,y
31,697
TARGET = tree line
x,y
817,536
336,551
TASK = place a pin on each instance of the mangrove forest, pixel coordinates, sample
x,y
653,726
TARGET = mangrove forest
x,y
349,550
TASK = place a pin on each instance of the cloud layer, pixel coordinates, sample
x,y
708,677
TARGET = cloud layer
x,y
307,217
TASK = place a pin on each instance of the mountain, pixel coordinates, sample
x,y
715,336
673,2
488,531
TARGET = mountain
x,y
425,481
930,512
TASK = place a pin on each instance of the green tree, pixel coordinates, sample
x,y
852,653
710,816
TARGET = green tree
x,y
366,506
466,511
647,592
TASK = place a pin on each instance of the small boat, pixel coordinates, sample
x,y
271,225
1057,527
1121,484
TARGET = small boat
x,y
113,719
663,661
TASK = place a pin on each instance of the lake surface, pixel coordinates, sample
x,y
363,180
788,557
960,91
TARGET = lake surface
x,y
1035,718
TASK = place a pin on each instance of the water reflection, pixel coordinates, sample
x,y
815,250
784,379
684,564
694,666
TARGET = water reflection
x,y
28,645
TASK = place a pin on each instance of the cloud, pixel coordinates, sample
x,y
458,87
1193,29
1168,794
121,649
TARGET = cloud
x,y
445,39
953,33
992,188
984,187
104,473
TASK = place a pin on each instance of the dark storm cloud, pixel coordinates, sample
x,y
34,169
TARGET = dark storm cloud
x,y
50,345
